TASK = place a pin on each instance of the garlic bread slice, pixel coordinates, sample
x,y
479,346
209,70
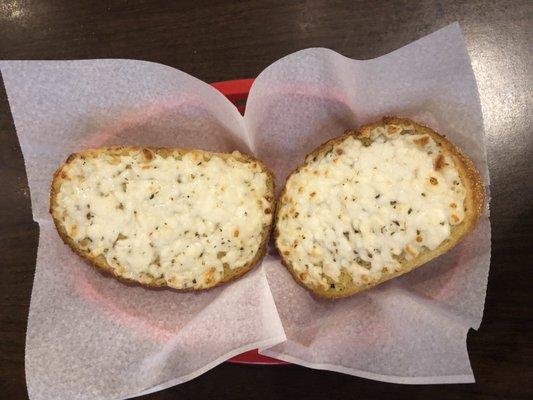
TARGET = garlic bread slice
x,y
374,204
186,219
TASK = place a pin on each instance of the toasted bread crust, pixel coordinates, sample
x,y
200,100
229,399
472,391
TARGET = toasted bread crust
x,y
100,262
474,203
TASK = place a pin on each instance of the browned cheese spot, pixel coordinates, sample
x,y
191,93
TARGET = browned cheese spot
x,y
364,133
439,162
148,155
423,141
209,275
393,129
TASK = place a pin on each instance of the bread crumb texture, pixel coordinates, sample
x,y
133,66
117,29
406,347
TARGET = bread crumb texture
x,y
357,209
175,218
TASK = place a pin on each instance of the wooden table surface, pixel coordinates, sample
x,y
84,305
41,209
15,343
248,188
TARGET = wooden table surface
x,y
217,41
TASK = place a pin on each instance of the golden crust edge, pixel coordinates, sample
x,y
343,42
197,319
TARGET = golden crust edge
x,y
101,265
475,201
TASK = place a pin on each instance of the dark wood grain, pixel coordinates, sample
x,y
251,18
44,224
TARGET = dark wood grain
x,y
226,40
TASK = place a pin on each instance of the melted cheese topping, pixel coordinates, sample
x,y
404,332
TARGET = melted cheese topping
x,y
181,220
366,205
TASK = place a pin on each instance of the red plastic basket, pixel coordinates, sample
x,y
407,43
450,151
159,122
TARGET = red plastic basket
x,y
237,92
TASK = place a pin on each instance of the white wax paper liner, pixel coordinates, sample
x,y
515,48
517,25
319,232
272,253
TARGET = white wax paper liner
x,y
295,104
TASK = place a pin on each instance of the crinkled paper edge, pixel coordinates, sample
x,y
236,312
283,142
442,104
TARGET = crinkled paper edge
x,y
177,381
406,380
